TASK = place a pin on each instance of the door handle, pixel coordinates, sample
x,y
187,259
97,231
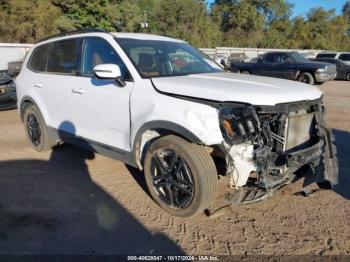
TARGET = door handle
x,y
38,85
78,91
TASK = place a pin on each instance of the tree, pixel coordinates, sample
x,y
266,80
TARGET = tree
x,y
27,21
185,19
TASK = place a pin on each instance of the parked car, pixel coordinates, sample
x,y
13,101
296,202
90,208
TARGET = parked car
x,y
8,97
344,56
343,69
288,65
183,123
14,68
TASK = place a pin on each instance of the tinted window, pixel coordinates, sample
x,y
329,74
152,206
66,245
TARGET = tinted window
x,y
326,55
269,58
64,57
38,59
283,58
97,51
344,57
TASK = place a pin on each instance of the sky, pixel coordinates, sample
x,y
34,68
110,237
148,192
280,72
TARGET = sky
x,y
301,7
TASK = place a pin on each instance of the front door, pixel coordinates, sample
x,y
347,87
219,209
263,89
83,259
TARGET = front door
x,y
101,107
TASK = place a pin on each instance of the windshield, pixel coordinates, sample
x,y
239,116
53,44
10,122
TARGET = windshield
x,y
298,57
154,58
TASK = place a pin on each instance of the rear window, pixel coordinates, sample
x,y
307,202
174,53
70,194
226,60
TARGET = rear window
x,y
37,61
64,57
344,57
329,55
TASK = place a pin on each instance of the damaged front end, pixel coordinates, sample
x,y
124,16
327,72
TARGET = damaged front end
x,y
267,146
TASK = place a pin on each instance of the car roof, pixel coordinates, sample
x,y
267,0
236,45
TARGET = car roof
x,y
138,36
143,36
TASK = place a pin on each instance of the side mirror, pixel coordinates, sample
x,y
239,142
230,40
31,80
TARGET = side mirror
x,y
109,71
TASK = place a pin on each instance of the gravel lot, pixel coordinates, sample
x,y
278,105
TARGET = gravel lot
x,y
69,201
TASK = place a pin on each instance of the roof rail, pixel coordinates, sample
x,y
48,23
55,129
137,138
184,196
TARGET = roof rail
x,y
75,32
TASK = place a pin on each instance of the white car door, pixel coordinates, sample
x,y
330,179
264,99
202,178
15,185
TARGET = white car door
x,y
101,107
57,80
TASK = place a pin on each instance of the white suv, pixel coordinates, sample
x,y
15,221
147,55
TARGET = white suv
x,y
159,104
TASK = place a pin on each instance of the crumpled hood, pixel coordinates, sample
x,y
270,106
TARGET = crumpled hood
x,y
231,87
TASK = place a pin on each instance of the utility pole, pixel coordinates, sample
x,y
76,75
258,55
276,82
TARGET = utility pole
x,y
144,23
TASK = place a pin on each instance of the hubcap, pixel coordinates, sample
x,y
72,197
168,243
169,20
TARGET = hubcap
x,y
304,79
172,179
33,129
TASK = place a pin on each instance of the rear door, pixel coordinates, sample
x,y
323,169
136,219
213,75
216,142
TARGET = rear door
x,y
101,107
55,83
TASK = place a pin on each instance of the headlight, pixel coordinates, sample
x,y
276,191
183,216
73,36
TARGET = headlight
x,y
321,70
238,123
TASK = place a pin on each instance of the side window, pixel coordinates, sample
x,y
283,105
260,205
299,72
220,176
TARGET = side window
x,y
283,58
269,58
37,61
64,57
98,51
344,57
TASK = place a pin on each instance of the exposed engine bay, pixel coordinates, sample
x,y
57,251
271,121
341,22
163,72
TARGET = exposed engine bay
x,y
267,146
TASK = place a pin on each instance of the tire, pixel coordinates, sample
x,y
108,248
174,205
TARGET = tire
x,y
42,140
193,163
244,72
306,78
347,76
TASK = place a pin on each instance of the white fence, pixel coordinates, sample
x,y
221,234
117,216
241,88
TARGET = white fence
x,y
11,53
248,53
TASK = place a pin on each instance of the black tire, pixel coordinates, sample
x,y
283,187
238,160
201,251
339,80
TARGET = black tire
x,y
306,78
245,72
347,76
197,165
43,140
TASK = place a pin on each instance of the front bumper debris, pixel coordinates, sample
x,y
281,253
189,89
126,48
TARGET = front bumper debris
x,y
277,161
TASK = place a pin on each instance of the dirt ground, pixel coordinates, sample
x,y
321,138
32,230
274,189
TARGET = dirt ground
x,y
69,201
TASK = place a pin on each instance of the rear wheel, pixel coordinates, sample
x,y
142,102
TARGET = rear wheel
x,y
245,72
306,78
36,130
180,176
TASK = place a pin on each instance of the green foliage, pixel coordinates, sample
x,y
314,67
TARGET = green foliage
x,y
237,23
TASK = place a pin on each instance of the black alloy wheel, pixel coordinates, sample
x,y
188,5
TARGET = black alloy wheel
x,y
33,129
172,179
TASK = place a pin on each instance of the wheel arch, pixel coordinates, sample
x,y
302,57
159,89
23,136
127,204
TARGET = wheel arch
x,y
25,102
151,130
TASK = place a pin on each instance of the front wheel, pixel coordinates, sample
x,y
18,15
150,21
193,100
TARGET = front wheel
x,y
306,78
347,77
180,176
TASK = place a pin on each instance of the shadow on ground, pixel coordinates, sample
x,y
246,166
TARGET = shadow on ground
x,y
53,207
343,147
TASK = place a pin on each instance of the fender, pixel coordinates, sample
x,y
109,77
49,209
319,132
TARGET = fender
x,y
159,125
166,125
27,99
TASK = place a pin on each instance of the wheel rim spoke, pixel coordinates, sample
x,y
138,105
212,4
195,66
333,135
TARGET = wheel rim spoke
x,y
33,128
172,179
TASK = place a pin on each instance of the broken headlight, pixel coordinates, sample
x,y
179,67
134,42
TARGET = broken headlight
x,y
238,123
